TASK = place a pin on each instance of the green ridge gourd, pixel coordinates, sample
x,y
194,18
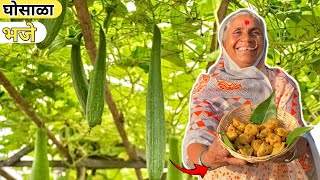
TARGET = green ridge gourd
x,y
96,91
40,165
79,79
155,119
53,26
174,155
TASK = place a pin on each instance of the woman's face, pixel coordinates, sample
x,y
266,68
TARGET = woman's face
x,y
244,40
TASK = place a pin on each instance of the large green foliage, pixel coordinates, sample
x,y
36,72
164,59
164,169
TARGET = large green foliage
x,y
43,76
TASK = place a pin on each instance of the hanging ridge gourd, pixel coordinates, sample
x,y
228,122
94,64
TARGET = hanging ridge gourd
x,y
155,119
95,101
53,26
79,79
174,155
40,165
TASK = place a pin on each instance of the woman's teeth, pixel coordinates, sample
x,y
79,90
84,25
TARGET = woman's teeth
x,y
245,49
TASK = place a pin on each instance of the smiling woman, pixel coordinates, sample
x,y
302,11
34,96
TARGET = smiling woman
x,y
241,77
243,40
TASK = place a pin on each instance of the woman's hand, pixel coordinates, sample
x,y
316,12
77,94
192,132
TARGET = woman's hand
x,y
217,156
299,149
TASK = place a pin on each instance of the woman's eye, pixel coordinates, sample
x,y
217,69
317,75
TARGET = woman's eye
x,y
256,33
237,32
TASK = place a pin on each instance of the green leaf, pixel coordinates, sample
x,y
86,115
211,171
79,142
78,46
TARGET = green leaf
x,y
296,133
317,11
315,59
153,2
58,43
264,111
174,58
312,76
206,6
281,16
177,18
120,10
144,66
171,53
213,56
316,121
227,142
89,2
139,52
1,93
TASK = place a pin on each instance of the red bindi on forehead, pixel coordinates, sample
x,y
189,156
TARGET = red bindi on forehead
x,y
246,22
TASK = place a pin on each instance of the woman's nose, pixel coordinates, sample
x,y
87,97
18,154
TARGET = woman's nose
x,y
246,37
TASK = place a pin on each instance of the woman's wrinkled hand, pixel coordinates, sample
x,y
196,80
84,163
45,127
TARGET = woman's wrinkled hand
x,y
299,149
217,156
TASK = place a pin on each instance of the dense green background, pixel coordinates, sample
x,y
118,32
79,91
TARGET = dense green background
x,y
43,76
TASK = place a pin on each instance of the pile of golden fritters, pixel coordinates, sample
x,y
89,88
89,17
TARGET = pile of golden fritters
x,y
257,140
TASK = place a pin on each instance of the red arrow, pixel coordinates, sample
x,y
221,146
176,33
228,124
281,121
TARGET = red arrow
x,y
199,170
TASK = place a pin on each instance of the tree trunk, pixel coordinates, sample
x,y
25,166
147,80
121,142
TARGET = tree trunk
x,y
222,11
81,173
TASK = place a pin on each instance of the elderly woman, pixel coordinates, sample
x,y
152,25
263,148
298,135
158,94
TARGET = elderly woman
x,y
240,76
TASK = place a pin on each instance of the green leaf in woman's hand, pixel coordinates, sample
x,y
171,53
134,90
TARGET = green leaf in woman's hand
x,y
264,111
227,142
296,133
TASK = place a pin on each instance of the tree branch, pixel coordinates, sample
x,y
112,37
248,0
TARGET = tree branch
x,y
90,163
85,22
222,11
30,112
4,174
17,156
81,173
87,30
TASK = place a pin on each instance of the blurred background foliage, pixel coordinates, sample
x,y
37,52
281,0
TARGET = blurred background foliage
x,y
43,76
